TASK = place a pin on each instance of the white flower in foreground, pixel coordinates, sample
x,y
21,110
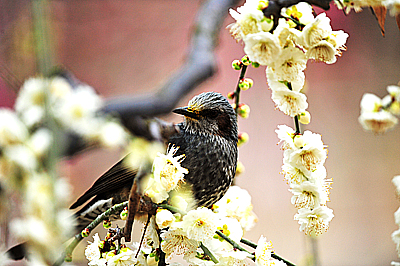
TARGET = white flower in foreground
x,y
378,122
249,19
164,218
79,108
317,30
286,135
263,252
275,84
314,222
92,252
290,102
393,6
292,174
290,65
12,130
112,135
236,258
200,224
167,169
126,257
19,155
175,241
40,141
236,203
394,263
262,47
31,100
322,51
229,227
308,195
311,155
59,89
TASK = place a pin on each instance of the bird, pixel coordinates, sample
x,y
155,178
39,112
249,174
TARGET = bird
x,y
207,137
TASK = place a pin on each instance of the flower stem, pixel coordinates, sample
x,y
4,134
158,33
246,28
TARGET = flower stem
x,y
233,243
67,256
296,118
237,91
208,253
172,209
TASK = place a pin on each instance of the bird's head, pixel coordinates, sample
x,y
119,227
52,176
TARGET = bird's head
x,y
210,113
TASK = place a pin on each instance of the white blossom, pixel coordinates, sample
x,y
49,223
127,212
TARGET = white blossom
x,y
200,224
290,65
308,195
262,47
12,129
175,241
92,252
164,218
263,252
40,141
290,102
126,257
317,30
276,85
315,221
378,122
112,134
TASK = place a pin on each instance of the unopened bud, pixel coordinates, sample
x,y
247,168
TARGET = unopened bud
x,y
231,95
164,218
124,214
236,64
255,64
106,224
243,138
245,84
298,141
101,244
262,5
245,60
239,168
233,105
85,232
305,117
244,110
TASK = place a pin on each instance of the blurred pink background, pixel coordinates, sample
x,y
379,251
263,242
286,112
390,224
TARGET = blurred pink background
x,y
132,47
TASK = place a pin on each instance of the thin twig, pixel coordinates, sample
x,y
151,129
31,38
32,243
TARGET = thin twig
x,y
208,253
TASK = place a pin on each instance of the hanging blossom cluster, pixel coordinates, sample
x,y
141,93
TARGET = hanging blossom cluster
x,y
28,141
303,159
185,233
378,115
396,234
358,5
298,37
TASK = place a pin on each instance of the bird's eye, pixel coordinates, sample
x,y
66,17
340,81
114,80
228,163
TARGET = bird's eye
x,y
211,113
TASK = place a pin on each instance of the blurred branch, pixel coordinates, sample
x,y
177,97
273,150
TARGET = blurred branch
x,y
199,66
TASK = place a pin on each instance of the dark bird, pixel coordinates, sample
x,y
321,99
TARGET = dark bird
x,y
208,137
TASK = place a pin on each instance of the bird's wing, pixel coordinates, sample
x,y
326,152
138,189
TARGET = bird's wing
x,y
116,177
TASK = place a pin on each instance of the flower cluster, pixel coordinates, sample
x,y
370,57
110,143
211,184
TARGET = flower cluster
x,y
73,108
396,234
298,37
378,115
358,5
102,253
304,156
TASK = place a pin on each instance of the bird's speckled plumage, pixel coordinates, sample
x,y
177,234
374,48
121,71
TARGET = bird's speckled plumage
x,y
210,145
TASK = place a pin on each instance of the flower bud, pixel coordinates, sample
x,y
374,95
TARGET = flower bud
x,y
85,232
244,110
262,4
245,60
164,218
124,214
255,64
101,244
298,141
106,224
305,117
239,168
236,64
231,95
243,138
245,84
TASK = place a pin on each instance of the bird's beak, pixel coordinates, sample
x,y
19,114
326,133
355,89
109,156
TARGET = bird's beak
x,y
186,112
